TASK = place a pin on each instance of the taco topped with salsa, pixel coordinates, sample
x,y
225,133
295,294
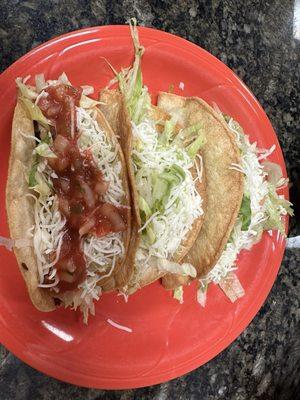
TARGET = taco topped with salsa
x,y
67,196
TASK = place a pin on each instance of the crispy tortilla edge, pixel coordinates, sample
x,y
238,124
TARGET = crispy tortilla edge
x,y
115,112
19,207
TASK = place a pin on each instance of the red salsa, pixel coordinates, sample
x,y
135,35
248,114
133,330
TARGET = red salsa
x,y
79,185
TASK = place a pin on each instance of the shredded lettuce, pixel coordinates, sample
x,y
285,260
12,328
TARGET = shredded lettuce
x,y
163,184
130,81
158,193
161,191
172,267
25,90
32,182
245,212
166,136
145,213
40,82
35,112
151,237
191,139
178,294
145,210
275,207
38,182
44,150
190,130
177,173
46,137
36,178
188,134
42,187
194,147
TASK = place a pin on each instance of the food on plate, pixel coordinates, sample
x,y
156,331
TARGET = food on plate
x,y
225,185
261,208
117,193
166,175
67,196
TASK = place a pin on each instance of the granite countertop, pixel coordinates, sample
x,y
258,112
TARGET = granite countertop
x,y
260,41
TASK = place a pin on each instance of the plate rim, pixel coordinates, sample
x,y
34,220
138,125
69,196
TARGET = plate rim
x,y
95,382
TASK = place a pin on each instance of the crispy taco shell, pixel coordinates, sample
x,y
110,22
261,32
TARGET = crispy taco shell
x,y
224,185
20,208
115,111
122,271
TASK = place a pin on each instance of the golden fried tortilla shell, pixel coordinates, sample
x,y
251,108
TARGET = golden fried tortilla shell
x,y
224,186
115,112
20,207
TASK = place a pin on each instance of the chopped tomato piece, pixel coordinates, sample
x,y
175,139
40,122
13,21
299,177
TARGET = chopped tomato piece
x,y
79,185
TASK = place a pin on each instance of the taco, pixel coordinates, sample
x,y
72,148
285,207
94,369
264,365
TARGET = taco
x,y
67,196
242,198
225,185
166,176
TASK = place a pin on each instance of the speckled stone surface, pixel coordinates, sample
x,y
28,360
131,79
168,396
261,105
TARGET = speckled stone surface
x,y
257,39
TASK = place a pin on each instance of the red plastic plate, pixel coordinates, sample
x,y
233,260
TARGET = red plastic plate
x,y
168,339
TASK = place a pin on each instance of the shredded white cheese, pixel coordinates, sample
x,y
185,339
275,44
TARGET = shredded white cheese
x,y
184,204
105,154
49,229
118,326
125,296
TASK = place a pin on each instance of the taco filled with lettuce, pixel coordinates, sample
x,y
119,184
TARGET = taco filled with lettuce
x,y
261,208
166,174
67,196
